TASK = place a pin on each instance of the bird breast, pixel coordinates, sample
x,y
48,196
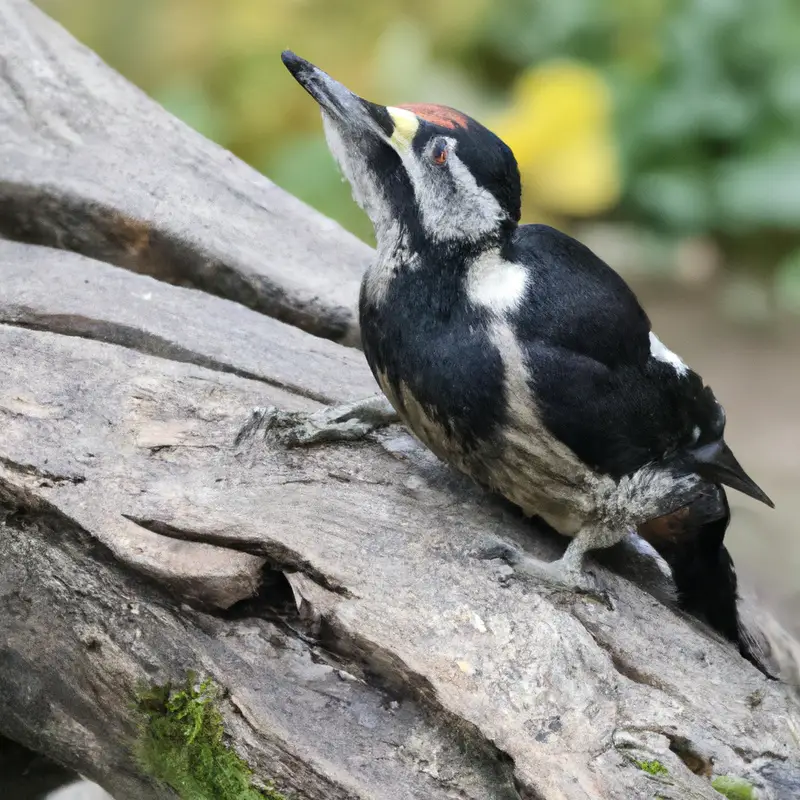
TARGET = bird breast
x,y
441,343
519,458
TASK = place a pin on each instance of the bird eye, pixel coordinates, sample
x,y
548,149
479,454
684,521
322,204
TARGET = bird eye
x,y
439,153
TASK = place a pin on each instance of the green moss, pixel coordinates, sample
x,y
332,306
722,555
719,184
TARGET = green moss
x,y
652,767
180,743
734,788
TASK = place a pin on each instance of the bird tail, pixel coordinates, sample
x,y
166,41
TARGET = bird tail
x,y
691,542
707,587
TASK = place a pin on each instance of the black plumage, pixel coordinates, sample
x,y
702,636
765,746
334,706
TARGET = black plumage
x,y
587,348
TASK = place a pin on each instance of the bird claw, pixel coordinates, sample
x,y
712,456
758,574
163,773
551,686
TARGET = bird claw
x,y
552,573
346,423
495,548
288,428
597,589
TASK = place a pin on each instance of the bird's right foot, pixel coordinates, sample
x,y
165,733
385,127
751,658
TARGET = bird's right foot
x,y
559,574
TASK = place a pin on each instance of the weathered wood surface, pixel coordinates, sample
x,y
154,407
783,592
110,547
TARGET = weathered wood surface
x,y
89,163
330,590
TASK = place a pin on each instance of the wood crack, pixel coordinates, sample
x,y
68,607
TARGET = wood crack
x,y
38,216
39,517
142,341
109,645
46,477
387,672
621,665
280,556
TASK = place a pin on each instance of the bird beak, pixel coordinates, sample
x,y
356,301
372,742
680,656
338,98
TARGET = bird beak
x,y
354,115
716,463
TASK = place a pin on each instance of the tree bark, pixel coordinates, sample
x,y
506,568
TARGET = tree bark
x,y
329,590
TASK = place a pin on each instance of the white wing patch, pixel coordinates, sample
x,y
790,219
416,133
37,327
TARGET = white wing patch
x,y
496,284
660,352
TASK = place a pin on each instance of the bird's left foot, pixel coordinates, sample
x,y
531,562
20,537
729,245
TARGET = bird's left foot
x,y
345,423
558,574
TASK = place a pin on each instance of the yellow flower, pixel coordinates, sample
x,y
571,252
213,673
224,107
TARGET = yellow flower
x,y
560,129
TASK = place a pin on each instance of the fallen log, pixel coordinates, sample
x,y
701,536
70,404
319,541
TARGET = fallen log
x,y
154,292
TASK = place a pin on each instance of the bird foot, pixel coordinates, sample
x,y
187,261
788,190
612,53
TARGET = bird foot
x,y
345,423
559,574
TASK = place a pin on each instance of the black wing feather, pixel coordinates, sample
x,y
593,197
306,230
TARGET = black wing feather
x,y
587,343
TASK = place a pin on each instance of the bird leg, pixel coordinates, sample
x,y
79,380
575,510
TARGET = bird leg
x,y
344,423
566,572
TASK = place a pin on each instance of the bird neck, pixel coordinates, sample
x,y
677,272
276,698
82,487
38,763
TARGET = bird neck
x,y
404,243
430,275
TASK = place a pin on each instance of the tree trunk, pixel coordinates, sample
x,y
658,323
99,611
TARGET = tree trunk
x,y
362,652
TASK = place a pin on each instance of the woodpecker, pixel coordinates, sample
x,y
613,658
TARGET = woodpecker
x,y
516,354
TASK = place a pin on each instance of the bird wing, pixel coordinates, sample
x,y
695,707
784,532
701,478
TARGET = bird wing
x,y
590,356
576,301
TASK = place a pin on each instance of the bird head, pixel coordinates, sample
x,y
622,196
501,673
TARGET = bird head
x,y
437,173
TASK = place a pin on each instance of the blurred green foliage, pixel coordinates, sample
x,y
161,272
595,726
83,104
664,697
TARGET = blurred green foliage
x,y
679,115
707,99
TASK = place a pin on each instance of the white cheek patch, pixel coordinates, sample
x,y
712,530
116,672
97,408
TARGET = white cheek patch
x,y
660,352
496,284
456,209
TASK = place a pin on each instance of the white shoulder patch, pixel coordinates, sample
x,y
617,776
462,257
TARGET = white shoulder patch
x,y
660,352
496,284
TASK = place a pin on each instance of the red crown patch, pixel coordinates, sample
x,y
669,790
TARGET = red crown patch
x,y
443,116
